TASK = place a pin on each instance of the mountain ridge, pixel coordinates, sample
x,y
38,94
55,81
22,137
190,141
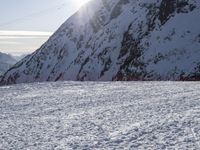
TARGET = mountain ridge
x,y
125,40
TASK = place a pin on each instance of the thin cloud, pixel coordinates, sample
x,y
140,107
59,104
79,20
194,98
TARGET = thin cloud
x,y
22,37
22,41
4,35
10,43
24,33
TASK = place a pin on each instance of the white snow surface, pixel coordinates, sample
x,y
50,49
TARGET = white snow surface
x,y
100,115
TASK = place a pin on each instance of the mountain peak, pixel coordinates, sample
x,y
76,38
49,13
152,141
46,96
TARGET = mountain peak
x,y
119,40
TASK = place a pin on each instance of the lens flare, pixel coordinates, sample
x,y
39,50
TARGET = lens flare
x,y
80,3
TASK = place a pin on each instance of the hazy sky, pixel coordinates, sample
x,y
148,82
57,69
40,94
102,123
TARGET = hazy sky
x,y
26,24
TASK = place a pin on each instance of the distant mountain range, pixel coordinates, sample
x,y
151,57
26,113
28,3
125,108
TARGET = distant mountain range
x,y
7,61
19,57
111,40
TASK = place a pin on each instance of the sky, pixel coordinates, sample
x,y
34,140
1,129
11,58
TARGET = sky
x,y
26,24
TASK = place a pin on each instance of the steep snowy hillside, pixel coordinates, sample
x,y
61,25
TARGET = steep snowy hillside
x,y
6,61
119,40
100,116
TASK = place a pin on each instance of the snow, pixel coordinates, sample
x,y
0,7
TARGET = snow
x,y
88,46
100,115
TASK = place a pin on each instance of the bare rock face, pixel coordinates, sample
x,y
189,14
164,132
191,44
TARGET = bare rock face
x,y
119,40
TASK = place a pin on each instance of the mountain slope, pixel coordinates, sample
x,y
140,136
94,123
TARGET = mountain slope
x,y
6,61
119,40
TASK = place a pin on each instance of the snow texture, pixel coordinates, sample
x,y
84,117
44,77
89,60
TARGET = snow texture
x,y
104,115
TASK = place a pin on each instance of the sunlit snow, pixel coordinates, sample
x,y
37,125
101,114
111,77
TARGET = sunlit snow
x,y
105,115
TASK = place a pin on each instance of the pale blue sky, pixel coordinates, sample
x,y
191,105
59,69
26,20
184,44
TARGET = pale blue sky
x,y
31,15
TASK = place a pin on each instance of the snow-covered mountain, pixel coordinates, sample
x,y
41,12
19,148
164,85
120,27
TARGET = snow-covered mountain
x,y
119,40
6,61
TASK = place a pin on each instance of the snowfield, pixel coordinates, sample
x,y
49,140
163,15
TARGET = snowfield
x,y
103,115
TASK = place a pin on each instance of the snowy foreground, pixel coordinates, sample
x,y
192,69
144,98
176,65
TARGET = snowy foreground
x,y
89,115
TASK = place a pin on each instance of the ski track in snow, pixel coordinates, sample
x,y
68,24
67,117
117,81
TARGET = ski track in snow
x,y
103,115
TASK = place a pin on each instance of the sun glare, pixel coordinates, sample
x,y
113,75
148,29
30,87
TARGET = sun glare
x,y
80,3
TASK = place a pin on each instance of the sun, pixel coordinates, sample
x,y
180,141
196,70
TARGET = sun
x,y
80,3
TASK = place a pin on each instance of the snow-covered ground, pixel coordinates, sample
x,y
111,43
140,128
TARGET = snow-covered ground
x,y
104,115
